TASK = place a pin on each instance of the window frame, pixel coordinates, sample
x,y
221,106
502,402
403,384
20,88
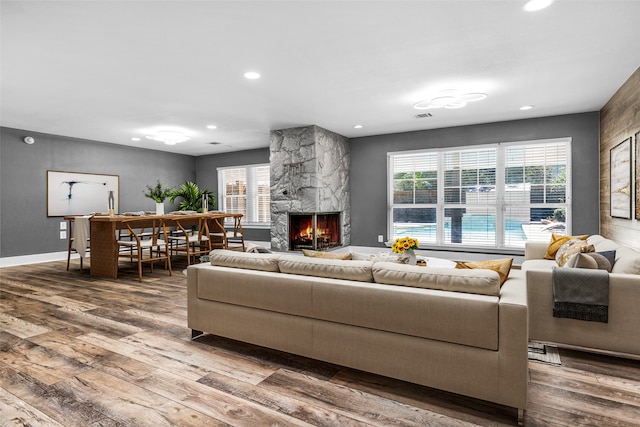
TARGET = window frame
x,y
501,205
252,191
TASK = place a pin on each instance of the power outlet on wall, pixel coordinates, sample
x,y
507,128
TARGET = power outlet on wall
x,y
380,238
63,225
63,234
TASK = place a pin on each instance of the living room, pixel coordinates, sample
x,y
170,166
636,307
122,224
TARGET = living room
x,y
23,167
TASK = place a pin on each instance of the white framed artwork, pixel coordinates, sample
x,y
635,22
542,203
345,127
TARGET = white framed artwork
x,y
78,193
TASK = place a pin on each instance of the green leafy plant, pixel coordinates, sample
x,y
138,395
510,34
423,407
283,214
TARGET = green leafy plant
x,y
191,196
158,192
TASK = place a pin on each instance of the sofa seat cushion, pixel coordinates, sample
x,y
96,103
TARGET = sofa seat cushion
x,y
251,261
480,282
460,318
324,267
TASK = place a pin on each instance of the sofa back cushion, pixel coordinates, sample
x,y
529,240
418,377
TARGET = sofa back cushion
x,y
481,282
627,261
250,261
322,267
601,243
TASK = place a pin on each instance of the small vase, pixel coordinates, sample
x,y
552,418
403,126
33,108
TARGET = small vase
x,y
112,203
412,256
159,208
408,257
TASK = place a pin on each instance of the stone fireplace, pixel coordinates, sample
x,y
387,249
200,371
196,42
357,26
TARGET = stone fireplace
x,y
318,231
309,176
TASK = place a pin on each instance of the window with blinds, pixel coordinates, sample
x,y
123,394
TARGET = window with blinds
x,y
246,190
497,195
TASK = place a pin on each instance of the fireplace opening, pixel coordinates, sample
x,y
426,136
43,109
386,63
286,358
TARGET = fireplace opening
x,y
317,231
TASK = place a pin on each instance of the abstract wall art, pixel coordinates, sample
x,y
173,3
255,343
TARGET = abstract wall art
x,y
620,179
77,193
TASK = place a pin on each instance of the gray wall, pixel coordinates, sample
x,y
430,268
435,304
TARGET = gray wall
x,y
23,174
207,173
24,226
369,166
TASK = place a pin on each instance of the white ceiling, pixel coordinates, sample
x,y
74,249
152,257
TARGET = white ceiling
x,y
112,70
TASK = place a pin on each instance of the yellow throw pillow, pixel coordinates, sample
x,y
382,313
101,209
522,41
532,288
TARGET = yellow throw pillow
x,y
501,266
326,255
557,241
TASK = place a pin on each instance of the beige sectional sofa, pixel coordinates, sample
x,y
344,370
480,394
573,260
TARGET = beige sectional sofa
x,y
455,330
620,335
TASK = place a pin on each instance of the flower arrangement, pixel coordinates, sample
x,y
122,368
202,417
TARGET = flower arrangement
x,y
402,244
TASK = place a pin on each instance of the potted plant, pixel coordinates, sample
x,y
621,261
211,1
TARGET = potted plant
x,y
158,193
192,197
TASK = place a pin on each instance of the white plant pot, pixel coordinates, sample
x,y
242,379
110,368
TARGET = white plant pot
x,y
159,208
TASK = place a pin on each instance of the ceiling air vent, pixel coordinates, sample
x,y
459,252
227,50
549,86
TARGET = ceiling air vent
x,y
423,115
215,143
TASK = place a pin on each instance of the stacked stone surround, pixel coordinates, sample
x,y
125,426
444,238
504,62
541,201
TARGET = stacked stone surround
x,y
309,173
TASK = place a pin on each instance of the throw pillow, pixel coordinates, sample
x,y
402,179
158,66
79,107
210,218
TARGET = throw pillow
x,y
259,250
326,255
373,257
557,241
593,260
570,248
609,255
501,266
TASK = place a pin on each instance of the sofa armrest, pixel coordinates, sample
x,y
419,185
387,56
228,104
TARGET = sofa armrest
x,y
514,326
535,249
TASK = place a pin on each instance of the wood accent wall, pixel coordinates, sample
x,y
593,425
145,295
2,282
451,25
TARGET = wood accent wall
x,y
619,120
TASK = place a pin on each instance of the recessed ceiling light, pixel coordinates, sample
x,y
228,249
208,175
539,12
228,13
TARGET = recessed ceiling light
x,y
135,138
358,126
252,75
526,107
535,5
212,127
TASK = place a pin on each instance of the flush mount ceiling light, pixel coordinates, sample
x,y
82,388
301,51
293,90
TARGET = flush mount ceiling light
x,y
251,75
358,126
169,137
450,99
526,107
535,5
212,127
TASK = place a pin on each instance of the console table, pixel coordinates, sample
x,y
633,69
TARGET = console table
x,y
103,228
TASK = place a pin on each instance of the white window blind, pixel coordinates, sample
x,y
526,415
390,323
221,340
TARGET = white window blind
x,y
246,190
497,195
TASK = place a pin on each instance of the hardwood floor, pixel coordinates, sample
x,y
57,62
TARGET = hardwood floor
x,y
82,351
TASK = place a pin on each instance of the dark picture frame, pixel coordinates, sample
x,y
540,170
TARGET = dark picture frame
x,y
79,193
637,177
620,171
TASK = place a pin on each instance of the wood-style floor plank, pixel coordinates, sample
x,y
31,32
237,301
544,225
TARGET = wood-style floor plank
x,y
77,350
16,412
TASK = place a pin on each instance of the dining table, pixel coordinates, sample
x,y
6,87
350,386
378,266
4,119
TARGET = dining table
x,y
103,246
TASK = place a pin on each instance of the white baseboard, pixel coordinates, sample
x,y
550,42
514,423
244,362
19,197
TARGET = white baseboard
x,y
34,259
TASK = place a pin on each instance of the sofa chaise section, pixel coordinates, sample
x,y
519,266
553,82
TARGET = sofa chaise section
x,y
620,335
